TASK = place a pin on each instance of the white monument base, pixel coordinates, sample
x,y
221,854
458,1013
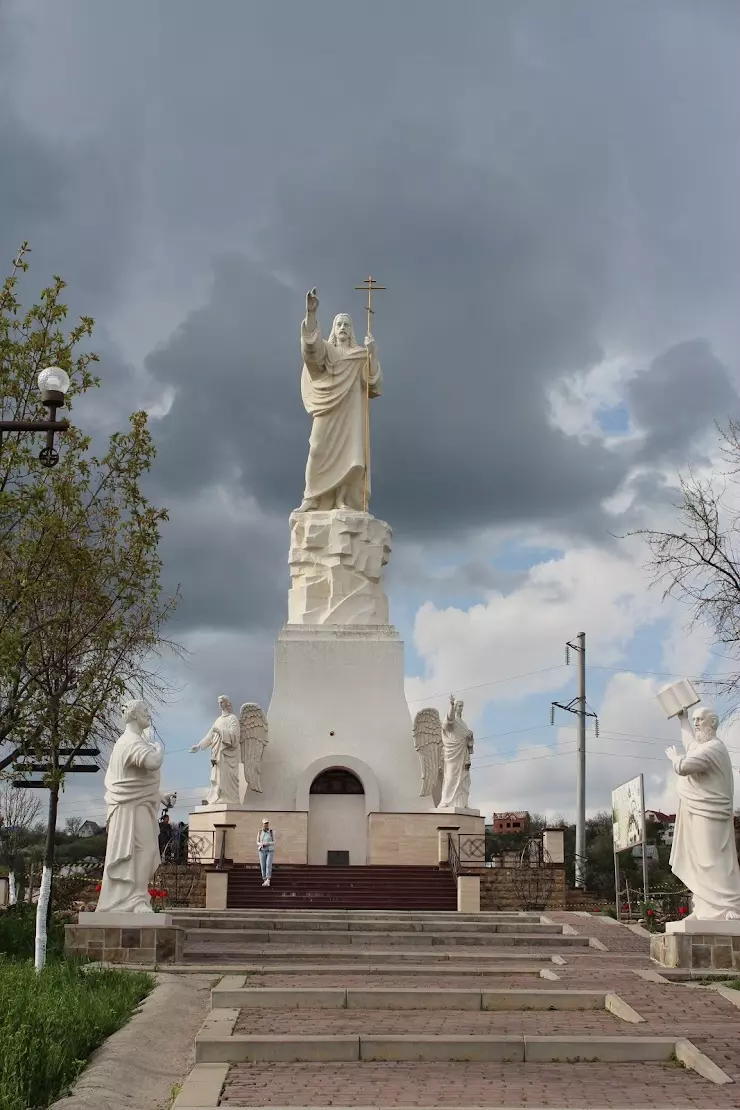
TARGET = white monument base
x,y
113,920
339,702
453,811
707,928
219,807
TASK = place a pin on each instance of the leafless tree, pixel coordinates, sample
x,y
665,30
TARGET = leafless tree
x,y
19,810
699,563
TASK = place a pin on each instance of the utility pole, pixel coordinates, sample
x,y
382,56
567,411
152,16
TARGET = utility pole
x,y
579,708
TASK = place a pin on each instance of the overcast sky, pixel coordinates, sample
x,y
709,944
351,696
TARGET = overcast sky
x,y
550,192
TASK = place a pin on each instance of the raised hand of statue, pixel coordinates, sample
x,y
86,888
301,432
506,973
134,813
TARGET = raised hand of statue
x,y
370,344
312,302
673,754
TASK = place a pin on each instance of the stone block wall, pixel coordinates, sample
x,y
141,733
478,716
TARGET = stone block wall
x,y
411,838
712,951
147,945
291,833
498,890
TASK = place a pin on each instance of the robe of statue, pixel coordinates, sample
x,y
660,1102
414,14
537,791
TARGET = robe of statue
x,y
703,855
457,746
132,795
333,384
224,741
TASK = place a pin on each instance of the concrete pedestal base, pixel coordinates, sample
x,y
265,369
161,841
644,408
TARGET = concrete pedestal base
x,y
692,925
104,920
710,950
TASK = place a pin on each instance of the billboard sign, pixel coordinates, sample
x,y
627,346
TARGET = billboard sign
x,y
628,814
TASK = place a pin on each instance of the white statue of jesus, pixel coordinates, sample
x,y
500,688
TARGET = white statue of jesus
x,y
337,375
223,738
133,796
704,856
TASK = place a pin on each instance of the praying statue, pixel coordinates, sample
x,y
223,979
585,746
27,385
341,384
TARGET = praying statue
x,y
133,796
457,748
704,856
339,378
224,740
445,749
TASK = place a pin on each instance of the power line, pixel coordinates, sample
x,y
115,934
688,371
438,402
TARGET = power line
x,y
481,685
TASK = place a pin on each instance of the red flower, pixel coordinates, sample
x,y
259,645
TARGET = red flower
x,y
157,893
98,888
651,913
683,909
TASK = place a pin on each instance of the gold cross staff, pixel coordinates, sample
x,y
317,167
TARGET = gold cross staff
x,y
368,286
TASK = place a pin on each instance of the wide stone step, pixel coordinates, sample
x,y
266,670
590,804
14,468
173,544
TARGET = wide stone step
x,y
274,954
244,938
321,925
428,998
211,1046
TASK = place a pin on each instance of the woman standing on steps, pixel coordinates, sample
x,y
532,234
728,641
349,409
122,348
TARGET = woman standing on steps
x,y
266,850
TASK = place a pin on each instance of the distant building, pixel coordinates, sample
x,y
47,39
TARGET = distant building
x,y
509,824
667,820
651,852
90,828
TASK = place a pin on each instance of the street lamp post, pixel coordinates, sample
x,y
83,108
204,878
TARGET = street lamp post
x,y
53,384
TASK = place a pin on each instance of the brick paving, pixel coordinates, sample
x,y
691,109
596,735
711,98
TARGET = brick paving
x,y
308,1023
670,1009
407,982
575,1086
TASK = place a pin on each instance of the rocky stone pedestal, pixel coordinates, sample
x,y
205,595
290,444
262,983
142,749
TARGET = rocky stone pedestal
x,y
336,562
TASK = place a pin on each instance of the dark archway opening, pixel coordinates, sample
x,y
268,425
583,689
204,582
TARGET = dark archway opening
x,y
337,780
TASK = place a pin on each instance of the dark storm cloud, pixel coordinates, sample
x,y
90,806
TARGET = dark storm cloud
x,y
536,184
689,383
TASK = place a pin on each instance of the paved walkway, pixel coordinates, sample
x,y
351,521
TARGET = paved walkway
x,y
710,1021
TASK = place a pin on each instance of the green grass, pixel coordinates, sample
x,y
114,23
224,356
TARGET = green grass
x,y
17,931
50,1024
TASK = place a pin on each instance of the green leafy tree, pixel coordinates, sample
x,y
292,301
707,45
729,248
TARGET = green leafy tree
x,y
81,605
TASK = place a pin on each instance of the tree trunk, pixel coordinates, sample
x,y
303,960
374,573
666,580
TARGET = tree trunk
x,y
43,906
12,888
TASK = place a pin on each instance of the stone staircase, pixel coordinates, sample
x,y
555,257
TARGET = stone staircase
x,y
390,1010
351,888
365,937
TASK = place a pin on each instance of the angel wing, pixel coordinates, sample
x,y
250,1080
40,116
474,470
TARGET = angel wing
x,y
253,737
428,744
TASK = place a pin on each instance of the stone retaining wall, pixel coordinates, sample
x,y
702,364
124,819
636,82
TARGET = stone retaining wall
x,y
498,890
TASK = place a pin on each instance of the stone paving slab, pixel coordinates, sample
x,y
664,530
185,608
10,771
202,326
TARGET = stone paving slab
x,y
417,998
583,1086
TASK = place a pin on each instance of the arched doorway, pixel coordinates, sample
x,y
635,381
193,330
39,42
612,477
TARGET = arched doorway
x,y
337,821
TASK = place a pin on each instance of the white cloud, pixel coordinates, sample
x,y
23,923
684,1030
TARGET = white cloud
x,y
585,589
576,399
633,735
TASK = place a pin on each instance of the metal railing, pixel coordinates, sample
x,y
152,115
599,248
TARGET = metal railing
x,y
465,850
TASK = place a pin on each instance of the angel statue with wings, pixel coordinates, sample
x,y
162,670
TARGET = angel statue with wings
x,y
445,751
224,740
253,729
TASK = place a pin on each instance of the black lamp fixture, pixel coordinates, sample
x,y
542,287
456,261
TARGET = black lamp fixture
x,y
53,384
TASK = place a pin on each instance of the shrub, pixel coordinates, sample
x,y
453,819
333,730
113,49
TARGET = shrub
x,y
50,1023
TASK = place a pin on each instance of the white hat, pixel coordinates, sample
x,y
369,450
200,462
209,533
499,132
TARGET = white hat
x,y
265,820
